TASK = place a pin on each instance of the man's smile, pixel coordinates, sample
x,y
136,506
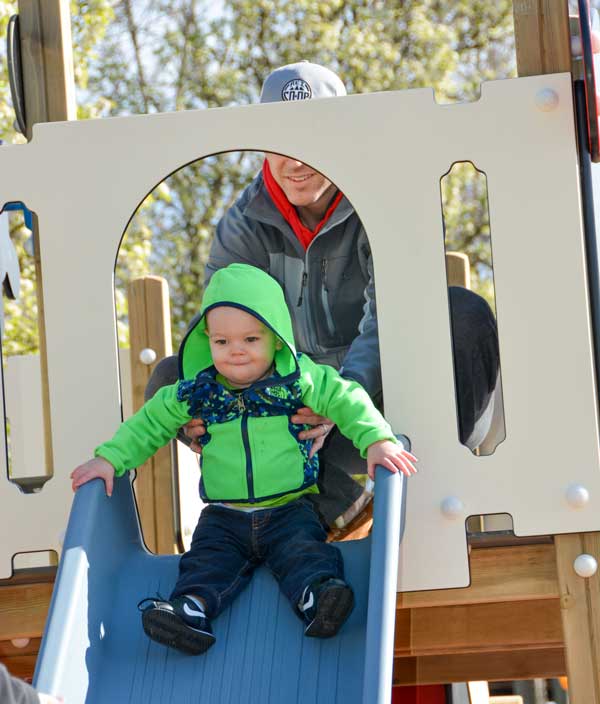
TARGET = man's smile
x,y
300,179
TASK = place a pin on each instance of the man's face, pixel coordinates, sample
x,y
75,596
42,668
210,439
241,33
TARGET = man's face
x,y
302,186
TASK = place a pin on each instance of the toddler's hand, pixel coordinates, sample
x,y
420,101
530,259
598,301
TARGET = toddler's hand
x,y
391,456
94,469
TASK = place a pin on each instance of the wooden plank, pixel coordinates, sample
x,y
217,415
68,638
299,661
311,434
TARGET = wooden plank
x,y
150,327
20,661
21,666
457,269
580,607
23,609
48,469
506,665
47,58
542,37
526,625
8,648
497,574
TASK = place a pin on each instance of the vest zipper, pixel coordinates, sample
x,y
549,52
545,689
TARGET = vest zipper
x,y
246,441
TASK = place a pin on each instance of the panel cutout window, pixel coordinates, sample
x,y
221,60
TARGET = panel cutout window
x,y
473,315
26,433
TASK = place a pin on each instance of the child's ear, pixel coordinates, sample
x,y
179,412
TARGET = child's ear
x,y
278,345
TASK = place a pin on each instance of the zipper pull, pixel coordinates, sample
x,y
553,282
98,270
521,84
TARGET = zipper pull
x,y
302,285
324,273
240,404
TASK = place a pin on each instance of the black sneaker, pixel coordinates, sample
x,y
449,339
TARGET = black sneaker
x,y
180,624
325,606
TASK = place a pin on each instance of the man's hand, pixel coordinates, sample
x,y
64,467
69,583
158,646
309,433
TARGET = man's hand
x,y
194,430
323,426
98,468
391,456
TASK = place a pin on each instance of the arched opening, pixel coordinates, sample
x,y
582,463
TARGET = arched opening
x,y
170,235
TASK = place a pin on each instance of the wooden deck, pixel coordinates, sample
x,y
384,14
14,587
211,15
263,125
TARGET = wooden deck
x,y
506,625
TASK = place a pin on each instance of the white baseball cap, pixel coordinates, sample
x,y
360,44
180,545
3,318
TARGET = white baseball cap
x,y
301,81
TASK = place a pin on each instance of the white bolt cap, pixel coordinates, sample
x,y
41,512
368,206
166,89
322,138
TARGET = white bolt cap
x,y
20,642
452,508
585,565
546,99
147,355
577,496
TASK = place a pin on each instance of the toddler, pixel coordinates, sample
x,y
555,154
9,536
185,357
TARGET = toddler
x,y
239,371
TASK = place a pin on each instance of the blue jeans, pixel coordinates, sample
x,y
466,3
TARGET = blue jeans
x,y
228,545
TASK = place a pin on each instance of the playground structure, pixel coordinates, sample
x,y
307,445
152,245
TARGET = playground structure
x,y
522,135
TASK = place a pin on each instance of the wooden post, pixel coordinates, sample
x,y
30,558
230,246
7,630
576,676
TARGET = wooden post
x,y
150,327
580,610
458,271
49,87
47,58
542,37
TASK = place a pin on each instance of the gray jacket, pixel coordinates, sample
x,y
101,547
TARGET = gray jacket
x,y
329,287
15,691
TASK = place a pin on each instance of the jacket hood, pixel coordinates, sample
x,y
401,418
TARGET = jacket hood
x,y
252,290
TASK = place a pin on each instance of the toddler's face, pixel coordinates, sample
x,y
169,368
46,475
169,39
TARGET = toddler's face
x,y
242,347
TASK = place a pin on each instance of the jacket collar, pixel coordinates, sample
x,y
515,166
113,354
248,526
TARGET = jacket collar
x,y
260,207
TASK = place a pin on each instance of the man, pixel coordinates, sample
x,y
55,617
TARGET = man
x,y
296,225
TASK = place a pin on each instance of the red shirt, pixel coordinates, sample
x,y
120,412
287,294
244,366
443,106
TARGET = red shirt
x,y
304,234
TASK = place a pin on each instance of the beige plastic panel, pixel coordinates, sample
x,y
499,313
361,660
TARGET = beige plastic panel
x,y
387,152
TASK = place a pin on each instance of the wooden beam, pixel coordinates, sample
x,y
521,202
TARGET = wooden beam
x,y
24,601
542,37
22,666
20,661
23,609
457,269
47,59
580,607
497,574
506,665
524,625
150,327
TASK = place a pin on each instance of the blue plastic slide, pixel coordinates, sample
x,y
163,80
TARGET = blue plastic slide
x,y
95,651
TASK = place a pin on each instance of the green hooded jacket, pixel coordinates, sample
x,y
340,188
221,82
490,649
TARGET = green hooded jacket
x,y
251,451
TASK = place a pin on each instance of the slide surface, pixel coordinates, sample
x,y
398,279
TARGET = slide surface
x,y
94,649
